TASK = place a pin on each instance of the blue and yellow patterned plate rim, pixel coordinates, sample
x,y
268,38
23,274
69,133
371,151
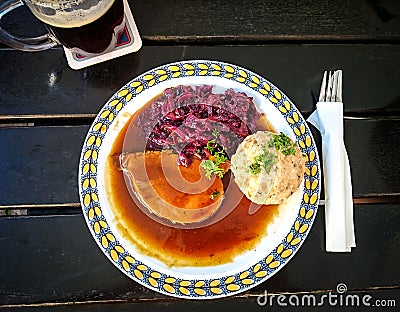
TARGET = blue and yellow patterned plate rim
x,y
167,281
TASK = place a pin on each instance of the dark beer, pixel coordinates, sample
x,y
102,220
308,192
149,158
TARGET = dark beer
x,y
96,36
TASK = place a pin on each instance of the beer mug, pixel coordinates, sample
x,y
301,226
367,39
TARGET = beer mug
x,y
87,27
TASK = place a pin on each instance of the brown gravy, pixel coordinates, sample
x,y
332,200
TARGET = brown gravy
x,y
214,244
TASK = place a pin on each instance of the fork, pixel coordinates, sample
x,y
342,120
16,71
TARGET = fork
x,y
337,179
331,90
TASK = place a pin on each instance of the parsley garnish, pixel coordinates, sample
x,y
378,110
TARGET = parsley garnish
x,y
255,168
283,143
265,160
214,195
211,166
210,146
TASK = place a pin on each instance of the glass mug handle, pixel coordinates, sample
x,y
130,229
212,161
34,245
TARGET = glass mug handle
x,y
40,43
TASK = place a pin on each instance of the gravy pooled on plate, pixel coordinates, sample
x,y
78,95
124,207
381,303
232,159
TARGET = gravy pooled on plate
x,y
213,244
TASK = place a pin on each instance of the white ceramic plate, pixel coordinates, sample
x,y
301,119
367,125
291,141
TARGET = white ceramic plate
x,y
287,231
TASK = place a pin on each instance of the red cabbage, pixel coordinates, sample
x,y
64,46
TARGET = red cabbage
x,y
184,119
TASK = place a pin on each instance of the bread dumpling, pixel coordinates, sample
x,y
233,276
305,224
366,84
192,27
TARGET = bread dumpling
x,y
268,167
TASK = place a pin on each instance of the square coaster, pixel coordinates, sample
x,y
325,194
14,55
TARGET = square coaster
x,y
128,41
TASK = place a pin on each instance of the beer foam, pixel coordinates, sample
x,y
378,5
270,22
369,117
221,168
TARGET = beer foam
x,y
58,3
69,14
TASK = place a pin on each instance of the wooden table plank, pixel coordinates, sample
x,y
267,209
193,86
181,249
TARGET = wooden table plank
x,y
371,73
41,163
251,21
35,170
387,299
374,155
55,259
260,21
55,89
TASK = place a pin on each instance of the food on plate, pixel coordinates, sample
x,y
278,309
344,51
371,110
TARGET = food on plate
x,y
175,154
178,193
268,167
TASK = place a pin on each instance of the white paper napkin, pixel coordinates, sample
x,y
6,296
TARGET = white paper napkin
x,y
328,119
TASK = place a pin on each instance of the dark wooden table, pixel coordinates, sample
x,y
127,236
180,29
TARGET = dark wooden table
x,y
49,260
